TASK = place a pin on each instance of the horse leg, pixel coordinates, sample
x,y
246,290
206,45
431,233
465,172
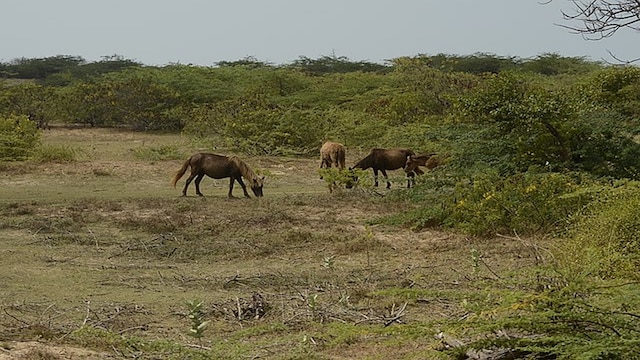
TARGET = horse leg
x,y
324,164
186,184
336,162
244,187
231,180
197,183
411,179
384,173
375,177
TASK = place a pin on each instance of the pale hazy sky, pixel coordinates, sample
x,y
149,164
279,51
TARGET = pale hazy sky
x,y
203,32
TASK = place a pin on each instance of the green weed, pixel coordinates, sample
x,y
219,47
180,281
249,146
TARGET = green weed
x,y
196,316
54,153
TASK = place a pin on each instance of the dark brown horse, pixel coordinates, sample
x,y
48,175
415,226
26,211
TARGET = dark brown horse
x,y
218,167
386,159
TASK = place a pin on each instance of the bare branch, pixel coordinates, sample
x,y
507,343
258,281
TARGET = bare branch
x,y
621,61
603,18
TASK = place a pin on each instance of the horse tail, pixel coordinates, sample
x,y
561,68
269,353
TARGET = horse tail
x,y
341,154
180,172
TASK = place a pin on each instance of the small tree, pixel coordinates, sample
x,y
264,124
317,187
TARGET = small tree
x,y
531,117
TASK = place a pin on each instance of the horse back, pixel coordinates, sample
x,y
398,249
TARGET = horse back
x,y
330,148
393,159
214,165
333,152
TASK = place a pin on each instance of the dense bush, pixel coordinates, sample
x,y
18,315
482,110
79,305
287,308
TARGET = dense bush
x,y
577,320
487,203
18,137
540,126
39,103
61,70
254,125
604,242
615,88
585,303
138,103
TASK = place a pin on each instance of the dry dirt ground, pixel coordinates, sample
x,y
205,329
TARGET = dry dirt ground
x,y
105,242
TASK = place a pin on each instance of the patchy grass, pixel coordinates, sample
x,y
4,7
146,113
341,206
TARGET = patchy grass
x,y
102,254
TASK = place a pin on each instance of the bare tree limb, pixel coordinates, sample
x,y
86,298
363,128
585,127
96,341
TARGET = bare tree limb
x,y
603,18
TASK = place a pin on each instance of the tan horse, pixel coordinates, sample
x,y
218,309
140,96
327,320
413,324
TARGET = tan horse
x,y
219,167
429,161
386,159
332,154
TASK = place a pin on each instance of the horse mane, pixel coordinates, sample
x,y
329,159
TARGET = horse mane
x,y
245,170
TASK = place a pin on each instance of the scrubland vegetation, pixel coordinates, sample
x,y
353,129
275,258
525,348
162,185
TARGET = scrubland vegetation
x,y
526,239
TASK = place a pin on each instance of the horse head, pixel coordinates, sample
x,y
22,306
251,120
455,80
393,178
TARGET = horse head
x,y
352,179
256,186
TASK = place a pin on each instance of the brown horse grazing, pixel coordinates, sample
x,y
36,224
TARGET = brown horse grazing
x,y
383,160
332,154
218,167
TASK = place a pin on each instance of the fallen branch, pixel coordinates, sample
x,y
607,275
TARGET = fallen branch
x,y
396,315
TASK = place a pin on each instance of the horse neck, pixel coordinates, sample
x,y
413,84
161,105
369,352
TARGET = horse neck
x,y
365,163
245,171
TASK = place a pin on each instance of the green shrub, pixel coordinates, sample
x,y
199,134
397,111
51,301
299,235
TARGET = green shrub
x,y
336,178
585,300
615,88
525,203
578,321
18,137
604,241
